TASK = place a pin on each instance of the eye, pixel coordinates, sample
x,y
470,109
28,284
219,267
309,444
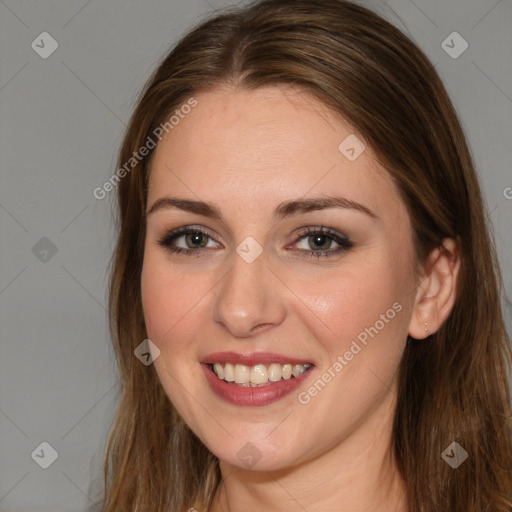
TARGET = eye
x,y
195,240
320,240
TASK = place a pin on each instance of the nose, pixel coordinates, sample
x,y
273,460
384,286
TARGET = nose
x,y
250,298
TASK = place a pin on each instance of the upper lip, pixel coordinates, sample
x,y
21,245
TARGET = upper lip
x,y
252,359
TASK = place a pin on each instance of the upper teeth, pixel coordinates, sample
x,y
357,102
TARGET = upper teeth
x,y
258,374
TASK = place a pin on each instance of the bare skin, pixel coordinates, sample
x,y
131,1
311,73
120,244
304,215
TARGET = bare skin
x,y
247,152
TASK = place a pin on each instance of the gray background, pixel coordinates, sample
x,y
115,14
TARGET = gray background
x,y
62,122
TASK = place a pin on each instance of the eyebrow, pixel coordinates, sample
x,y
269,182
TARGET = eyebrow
x,y
283,210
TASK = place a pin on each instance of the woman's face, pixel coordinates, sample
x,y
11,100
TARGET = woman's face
x,y
263,283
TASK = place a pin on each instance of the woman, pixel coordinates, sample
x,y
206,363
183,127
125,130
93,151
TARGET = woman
x,y
303,241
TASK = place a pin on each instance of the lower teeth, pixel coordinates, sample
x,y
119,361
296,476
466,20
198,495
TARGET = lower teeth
x,y
252,385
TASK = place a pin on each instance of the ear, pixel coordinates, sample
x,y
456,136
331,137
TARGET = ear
x,y
437,290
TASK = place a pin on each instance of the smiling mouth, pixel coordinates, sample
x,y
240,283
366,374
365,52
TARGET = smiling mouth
x,y
259,375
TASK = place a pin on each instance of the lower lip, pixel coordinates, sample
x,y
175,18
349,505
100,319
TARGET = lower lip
x,y
241,395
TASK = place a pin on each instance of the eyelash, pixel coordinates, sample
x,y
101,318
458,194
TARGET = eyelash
x,y
343,241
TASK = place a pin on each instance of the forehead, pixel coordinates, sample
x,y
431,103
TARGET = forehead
x,y
263,146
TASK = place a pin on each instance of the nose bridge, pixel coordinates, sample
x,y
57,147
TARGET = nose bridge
x,y
248,295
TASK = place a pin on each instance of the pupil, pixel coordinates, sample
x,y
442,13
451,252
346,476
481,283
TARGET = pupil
x,y
319,239
195,238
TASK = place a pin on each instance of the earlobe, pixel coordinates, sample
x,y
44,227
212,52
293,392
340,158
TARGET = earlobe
x,y
437,290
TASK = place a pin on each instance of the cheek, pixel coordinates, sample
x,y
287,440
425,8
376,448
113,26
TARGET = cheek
x,y
348,304
172,301
162,303
153,298
359,320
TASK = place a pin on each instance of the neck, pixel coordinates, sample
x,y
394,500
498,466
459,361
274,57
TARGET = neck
x,y
358,474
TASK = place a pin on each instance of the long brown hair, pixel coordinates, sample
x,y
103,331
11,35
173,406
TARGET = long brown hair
x,y
453,385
